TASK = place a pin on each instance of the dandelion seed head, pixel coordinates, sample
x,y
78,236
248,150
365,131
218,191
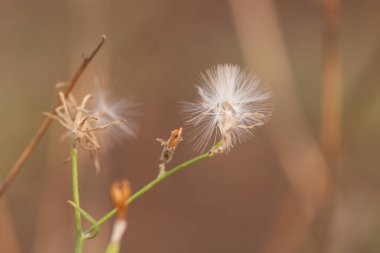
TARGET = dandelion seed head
x,y
231,104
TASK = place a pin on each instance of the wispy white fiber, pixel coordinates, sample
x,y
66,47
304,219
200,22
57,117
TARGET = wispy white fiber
x,y
108,108
231,104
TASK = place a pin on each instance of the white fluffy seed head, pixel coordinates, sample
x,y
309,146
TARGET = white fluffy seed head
x,y
231,104
108,109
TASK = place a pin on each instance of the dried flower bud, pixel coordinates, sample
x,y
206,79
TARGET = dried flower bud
x,y
120,192
169,147
175,138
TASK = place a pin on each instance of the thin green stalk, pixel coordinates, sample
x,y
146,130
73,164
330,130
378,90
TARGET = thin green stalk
x,y
78,223
152,184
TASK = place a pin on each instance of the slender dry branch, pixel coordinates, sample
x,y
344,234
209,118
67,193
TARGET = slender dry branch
x,y
331,93
46,123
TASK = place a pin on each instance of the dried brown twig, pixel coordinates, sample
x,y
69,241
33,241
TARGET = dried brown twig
x,y
46,123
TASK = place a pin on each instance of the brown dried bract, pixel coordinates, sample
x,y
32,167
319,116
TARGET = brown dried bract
x,y
169,147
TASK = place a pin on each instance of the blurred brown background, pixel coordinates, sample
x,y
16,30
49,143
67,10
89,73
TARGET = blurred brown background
x,y
308,182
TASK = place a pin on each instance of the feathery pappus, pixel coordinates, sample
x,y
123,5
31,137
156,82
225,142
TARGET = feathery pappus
x,y
231,104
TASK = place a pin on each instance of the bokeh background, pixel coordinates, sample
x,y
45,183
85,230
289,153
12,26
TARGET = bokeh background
x,y
308,182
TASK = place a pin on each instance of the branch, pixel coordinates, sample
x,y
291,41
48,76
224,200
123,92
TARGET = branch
x,y
45,124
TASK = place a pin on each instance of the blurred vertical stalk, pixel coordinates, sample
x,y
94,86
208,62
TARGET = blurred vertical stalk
x,y
8,238
330,131
331,86
263,48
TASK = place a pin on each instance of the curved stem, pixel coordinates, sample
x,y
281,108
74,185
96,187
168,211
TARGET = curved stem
x,y
155,182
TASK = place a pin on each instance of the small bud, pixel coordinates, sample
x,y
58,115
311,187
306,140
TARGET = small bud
x,y
120,192
169,147
175,138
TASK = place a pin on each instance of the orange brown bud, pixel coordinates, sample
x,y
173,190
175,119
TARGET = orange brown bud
x,y
170,145
120,192
175,138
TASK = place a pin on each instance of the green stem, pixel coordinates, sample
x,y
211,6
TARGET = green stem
x,y
152,184
78,225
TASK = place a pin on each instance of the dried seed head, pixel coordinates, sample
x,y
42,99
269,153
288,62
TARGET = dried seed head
x,y
120,192
231,104
90,126
80,124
